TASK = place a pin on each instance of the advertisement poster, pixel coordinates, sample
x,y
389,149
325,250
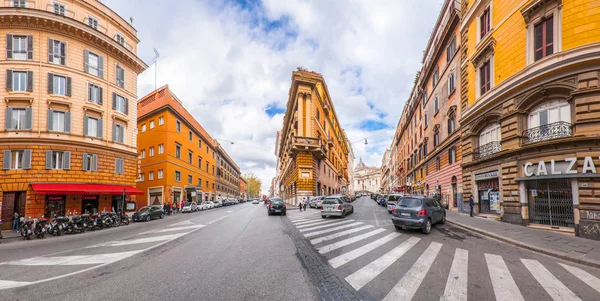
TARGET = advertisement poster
x,y
495,201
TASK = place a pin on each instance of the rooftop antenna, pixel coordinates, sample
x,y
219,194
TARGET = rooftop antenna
x,y
156,67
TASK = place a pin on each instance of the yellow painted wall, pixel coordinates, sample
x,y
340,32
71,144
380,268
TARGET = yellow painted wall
x,y
581,23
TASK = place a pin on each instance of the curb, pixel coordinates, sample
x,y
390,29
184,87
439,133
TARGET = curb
x,y
520,244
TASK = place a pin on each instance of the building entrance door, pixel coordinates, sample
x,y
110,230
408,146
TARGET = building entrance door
x,y
8,206
551,202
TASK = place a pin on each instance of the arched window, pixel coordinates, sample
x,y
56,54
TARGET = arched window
x,y
490,134
549,120
451,124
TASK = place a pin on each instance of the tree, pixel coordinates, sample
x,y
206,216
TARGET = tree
x,y
254,185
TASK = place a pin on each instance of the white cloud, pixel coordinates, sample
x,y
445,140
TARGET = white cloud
x,y
227,63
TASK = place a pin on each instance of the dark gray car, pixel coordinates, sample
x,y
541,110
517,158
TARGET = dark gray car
x,y
418,212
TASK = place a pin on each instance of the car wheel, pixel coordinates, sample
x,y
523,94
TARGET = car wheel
x,y
443,221
269,213
284,213
343,214
427,227
162,216
323,216
148,218
397,227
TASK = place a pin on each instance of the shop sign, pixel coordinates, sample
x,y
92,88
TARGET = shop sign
x,y
89,197
487,175
558,167
55,198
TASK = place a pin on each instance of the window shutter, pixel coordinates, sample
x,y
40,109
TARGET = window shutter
x,y
114,133
48,159
126,106
85,125
122,166
50,83
29,81
89,92
66,160
30,47
68,86
100,95
67,122
9,46
114,101
29,118
94,162
27,159
8,125
63,51
50,111
50,50
100,128
116,166
86,60
6,162
101,66
85,162
9,80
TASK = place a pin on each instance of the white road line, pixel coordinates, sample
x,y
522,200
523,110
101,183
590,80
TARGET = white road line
x,y
325,226
311,234
72,260
584,276
363,276
229,211
184,223
456,286
4,284
304,218
137,241
174,229
406,288
556,289
347,257
504,285
348,241
339,234
311,221
318,223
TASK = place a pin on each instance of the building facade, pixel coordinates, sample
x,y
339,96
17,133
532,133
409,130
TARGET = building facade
x,y
312,146
351,182
228,176
243,188
385,172
367,178
177,157
529,78
67,131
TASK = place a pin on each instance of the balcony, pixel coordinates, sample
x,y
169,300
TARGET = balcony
x,y
549,131
308,144
330,142
487,149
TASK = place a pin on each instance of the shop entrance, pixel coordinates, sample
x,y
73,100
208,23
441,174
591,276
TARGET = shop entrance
x,y
550,202
89,204
489,196
12,202
55,206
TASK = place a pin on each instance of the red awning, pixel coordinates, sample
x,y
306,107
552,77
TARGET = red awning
x,y
82,188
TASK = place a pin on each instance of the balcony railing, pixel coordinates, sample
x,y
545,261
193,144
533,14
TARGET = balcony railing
x,y
487,149
549,131
308,141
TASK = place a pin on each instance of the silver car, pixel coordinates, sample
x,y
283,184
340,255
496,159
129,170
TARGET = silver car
x,y
336,205
316,202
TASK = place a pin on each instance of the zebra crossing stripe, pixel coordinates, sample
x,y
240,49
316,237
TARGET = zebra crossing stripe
x,y
302,216
349,256
339,234
456,286
325,226
174,229
4,284
311,224
348,241
311,234
367,273
406,288
127,242
584,276
73,260
308,220
299,219
556,289
504,285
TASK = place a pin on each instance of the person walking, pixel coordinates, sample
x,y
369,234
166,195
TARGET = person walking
x,y
15,226
182,205
304,204
170,208
300,205
471,204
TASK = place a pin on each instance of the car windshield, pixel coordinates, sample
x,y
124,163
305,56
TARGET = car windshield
x,y
394,198
188,204
144,209
327,201
276,202
410,202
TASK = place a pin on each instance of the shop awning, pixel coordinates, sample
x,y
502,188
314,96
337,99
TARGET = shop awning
x,y
81,188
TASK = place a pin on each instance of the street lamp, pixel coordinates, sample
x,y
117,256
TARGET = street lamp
x,y
219,139
366,142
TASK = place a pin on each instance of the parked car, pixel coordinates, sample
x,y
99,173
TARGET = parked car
x,y
148,213
418,212
336,205
202,206
375,197
382,199
276,206
392,199
210,205
316,202
189,207
255,201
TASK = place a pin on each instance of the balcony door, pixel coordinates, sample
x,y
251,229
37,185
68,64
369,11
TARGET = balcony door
x,y
550,112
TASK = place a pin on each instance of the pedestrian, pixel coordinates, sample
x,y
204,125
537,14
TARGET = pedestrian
x,y
304,204
471,204
170,208
300,205
165,211
182,204
15,226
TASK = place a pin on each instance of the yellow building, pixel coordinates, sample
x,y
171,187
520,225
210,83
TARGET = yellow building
x,y
67,119
530,100
312,147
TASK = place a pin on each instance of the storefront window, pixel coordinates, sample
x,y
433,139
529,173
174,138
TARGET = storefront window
x,y
89,204
55,206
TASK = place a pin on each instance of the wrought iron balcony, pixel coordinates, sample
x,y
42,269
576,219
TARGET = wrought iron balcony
x,y
549,131
308,144
487,149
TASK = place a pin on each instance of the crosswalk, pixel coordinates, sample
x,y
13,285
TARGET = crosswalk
x,y
364,253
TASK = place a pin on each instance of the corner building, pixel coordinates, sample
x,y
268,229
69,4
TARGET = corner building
x,y
530,111
67,129
312,146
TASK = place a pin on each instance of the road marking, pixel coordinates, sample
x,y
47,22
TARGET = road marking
x,y
339,234
4,284
556,289
137,241
311,234
584,276
367,273
174,229
304,218
406,288
325,226
504,285
218,219
308,220
229,211
311,221
183,223
318,223
456,286
348,241
72,260
347,257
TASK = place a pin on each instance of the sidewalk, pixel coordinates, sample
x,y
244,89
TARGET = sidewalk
x,y
571,248
9,234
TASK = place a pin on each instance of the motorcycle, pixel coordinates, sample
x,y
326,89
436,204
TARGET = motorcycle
x,y
56,227
88,223
106,219
124,219
39,228
26,227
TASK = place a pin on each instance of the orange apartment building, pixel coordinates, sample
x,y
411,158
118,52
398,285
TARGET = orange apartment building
x,y
67,131
243,188
177,158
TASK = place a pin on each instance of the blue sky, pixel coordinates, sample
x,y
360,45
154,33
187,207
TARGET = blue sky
x,y
230,62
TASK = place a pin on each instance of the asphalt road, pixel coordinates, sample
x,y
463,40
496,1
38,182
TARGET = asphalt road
x,y
240,253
